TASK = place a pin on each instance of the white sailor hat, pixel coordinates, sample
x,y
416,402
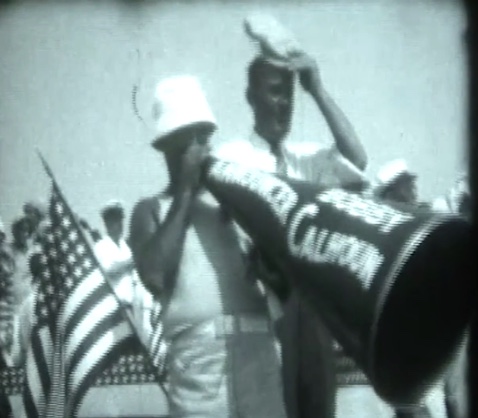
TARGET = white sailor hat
x,y
112,207
390,173
179,101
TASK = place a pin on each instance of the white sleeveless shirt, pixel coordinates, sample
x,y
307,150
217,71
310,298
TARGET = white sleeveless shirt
x,y
211,279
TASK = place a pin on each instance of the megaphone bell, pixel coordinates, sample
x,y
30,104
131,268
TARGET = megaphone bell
x,y
391,282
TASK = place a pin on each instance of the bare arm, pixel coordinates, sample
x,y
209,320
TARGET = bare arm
x,y
342,130
344,134
157,245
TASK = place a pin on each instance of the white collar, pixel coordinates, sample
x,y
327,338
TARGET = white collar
x,y
261,144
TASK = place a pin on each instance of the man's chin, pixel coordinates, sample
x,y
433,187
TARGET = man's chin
x,y
283,136
281,133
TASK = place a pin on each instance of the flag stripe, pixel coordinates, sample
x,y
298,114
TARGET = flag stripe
x,y
42,347
105,306
104,350
112,356
78,326
37,375
89,292
82,345
117,334
80,295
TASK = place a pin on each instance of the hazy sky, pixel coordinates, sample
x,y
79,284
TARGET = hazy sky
x,y
397,68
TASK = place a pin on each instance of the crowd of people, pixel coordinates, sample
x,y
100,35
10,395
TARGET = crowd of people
x,y
240,342
20,266
18,260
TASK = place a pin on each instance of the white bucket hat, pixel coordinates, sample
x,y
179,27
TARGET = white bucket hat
x,y
391,172
179,101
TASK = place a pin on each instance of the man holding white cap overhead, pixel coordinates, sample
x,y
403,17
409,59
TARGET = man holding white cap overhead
x,y
221,361
307,350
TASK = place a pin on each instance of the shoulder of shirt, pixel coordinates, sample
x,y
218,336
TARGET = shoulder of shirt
x,y
230,148
307,149
242,151
103,242
145,205
440,204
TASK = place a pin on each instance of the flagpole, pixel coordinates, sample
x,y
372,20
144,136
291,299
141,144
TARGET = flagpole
x,y
127,315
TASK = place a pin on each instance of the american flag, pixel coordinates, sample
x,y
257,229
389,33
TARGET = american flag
x,y
157,346
78,325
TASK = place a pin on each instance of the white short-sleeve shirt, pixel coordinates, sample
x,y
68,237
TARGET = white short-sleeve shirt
x,y
109,253
304,161
128,288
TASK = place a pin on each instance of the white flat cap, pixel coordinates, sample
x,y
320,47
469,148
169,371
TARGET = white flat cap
x,y
277,44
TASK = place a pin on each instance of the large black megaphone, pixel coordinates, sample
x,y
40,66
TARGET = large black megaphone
x,y
392,283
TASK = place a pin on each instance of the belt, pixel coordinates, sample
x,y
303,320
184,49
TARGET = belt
x,y
245,324
225,325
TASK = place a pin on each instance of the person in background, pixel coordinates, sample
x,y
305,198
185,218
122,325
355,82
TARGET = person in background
x,y
7,266
7,269
221,360
397,183
112,251
19,294
35,213
94,234
306,346
115,257
20,231
22,249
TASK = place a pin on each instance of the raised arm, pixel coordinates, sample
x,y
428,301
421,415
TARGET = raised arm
x,y
342,130
157,244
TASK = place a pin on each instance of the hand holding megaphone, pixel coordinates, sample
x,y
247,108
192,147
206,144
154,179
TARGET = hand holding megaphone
x,y
193,160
